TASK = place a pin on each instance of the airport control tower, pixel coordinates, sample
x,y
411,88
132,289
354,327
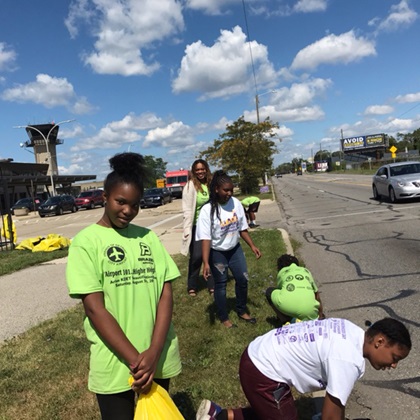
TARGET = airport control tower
x,y
44,139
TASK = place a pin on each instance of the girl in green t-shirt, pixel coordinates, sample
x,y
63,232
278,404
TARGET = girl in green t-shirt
x,y
123,274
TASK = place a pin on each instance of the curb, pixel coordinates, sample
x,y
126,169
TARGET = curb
x,y
317,396
286,239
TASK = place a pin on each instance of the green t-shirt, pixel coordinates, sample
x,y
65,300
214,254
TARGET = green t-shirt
x,y
247,201
295,293
130,267
202,198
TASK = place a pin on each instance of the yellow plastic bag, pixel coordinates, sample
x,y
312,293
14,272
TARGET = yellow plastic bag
x,y
51,243
39,244
5,229
156,405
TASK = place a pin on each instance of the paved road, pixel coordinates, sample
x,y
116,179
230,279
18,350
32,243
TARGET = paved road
x,y
364,254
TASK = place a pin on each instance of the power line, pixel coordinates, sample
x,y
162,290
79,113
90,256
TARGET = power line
x,y
250,49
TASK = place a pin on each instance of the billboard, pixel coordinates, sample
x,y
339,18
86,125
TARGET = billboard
x,y
358,143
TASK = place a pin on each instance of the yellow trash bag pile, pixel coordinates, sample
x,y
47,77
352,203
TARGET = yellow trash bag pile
x,y
156,405
5,229
39,244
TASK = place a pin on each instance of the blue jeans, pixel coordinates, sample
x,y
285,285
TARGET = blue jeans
x,y
220,262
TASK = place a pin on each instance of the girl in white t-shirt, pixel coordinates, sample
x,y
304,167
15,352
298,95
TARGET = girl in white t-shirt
x,y
312,355
221,223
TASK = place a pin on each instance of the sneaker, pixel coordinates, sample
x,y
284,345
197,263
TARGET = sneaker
x,y
208,410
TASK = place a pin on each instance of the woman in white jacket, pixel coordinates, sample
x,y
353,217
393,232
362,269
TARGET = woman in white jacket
x,y
194,195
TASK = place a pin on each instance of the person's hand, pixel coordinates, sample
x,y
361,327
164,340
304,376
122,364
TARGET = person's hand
x,y
256,252
143,371
206,271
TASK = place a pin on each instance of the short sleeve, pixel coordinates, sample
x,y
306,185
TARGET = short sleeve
x,y
341,377
203,230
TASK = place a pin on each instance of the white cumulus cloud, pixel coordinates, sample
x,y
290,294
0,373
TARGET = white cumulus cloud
x,y
409,97
223,69
307,6
7,57
401,16
49,92
378,110
126,31
334,49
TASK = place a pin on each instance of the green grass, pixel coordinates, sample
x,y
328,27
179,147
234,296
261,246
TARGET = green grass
x,y
11,261
43,372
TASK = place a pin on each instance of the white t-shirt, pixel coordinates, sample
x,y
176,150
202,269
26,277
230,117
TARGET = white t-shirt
x,y
312,355
225,233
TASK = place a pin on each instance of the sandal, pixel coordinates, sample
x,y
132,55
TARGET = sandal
x,y
192,293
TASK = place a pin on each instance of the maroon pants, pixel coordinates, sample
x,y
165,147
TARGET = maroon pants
x,y
268,399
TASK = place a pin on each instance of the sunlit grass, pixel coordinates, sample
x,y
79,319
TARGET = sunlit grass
x,y
43,373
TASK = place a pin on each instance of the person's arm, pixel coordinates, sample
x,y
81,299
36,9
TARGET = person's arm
x,y
321,309
245,236
108,328
205,250
332,408
144,369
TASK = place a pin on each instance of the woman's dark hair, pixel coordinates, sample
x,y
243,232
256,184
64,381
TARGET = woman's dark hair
x,y
395,331
127,168
285,260
197,184
219,178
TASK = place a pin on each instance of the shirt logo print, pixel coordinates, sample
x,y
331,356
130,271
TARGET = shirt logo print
x,y
115,254
144,250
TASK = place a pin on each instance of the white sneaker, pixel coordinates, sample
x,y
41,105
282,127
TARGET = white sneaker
x,y
208,410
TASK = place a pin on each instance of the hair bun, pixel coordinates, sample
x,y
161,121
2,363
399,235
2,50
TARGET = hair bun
x,y
368,323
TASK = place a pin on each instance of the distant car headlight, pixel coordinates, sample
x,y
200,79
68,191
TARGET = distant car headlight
x,y
401,183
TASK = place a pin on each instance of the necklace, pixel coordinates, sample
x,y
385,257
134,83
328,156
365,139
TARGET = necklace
x,y
103,223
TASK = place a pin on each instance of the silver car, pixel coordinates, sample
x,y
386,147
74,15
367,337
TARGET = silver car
x,y
397,181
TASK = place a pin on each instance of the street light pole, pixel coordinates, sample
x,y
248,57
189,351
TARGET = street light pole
x,y
257,103
46,139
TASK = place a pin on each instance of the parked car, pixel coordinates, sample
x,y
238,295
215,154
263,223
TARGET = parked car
x,y
27,203
299,172
57,205
90,199
156,197
397,181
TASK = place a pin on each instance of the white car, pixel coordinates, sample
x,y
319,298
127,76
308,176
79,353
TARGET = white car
x,y
397,181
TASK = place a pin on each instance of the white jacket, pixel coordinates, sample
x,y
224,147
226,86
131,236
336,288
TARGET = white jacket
x,y
189,202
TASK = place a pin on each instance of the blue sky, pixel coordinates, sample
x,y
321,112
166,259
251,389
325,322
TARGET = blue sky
x,y
164,77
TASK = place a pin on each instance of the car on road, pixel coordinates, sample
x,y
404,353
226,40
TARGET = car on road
x,y
57,205
299,172
154,197
90,199
397,181
27,203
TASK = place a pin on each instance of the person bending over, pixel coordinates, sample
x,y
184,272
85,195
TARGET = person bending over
x,y
296,295
311,355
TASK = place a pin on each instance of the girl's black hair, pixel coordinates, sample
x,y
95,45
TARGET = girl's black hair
x,y
219,178
127,168
285,260
395,331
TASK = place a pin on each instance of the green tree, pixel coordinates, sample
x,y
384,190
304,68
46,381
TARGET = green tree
x,y
322,155
156,169
245,148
